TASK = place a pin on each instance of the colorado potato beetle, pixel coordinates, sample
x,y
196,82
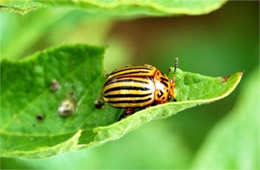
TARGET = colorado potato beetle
x,y
137,87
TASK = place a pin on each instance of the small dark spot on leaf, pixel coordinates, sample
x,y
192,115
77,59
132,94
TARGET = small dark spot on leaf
x,y
175,100
40,116
224,79
99,104
55,85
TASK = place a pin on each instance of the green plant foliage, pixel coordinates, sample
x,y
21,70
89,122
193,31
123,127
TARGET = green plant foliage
x,y
121,7
57,23
144,149
234,142
34,89
27,92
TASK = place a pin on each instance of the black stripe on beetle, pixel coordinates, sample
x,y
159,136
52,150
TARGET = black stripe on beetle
x,y
131,68
164,79
124,74
165,84
126,80
130,101
126,88
127,95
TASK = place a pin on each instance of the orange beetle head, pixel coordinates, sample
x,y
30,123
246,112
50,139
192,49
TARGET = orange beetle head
x,y
164,88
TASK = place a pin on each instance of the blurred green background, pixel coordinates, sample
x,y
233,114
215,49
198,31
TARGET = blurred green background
x,y
220,43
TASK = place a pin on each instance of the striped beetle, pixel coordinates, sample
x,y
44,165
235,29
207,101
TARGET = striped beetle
x,y
138,86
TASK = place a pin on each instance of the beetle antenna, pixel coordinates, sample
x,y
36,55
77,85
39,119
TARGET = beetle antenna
x,y
176,65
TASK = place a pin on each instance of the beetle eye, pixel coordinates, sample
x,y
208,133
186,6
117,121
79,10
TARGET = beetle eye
x,y
169,98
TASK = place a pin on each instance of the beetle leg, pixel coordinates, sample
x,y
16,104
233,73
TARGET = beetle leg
x,y
122,116
148,106
127,112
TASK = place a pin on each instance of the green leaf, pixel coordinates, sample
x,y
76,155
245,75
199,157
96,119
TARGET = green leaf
x,y
33,89
121,7
234,142
152,156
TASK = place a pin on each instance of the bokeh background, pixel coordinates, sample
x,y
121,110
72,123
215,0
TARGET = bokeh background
x,y
224,134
